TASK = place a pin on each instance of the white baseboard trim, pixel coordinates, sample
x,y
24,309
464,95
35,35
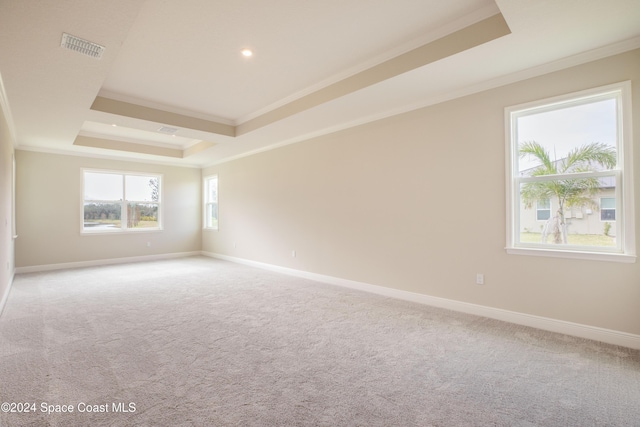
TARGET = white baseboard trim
x,y
98,262
609,336
5,296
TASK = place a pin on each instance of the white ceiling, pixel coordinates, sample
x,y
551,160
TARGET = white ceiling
x,y
319,66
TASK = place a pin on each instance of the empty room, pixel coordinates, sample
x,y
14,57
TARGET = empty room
x,y
323,213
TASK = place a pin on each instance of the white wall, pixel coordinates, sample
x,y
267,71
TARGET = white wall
x,y
48,212
416,202
6,209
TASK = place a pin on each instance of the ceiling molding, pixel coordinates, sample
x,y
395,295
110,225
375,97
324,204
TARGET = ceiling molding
x,y
561,64
102,156
449,28
471,36
314,73
197,148
164,107
4,105
121,108
474,35
111,144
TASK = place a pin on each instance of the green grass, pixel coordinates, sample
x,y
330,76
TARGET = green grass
x,y
574,239
146,224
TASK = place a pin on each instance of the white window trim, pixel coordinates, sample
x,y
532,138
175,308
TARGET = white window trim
x,y
123,215
626,230
205,202
14,228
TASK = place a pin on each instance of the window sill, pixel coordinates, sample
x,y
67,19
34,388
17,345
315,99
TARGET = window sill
x,y
209,229
594,256
111,232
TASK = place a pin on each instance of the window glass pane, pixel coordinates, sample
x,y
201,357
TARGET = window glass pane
x,y
101,216
142,188
142,215
608,203
211,202
584,227
212,192
559,132
544,210
608,215
102,186
544,204
212,215
608,209
543,215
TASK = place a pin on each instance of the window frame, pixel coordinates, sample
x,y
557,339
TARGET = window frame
x,y
14,227
123,229
206,202
624,194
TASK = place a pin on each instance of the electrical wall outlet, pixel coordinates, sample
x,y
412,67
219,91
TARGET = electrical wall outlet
x,y
480,279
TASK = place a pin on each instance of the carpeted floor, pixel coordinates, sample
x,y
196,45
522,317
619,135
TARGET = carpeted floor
x,y
202,342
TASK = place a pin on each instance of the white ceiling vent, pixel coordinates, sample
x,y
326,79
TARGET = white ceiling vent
x,y
80,45
168,130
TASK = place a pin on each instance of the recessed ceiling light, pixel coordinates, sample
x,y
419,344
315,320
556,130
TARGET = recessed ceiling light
x,y
247,52
114,125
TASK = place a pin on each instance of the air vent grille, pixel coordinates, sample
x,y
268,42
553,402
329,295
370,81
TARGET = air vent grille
x,y
168,130
82,46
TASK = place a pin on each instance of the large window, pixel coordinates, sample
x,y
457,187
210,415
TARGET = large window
x,y
569,169
211,202
120,201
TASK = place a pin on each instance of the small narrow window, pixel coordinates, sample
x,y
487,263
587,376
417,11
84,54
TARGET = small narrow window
x,y
211,202
543,209
607,209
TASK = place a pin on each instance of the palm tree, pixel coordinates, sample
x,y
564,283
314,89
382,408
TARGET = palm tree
x,y
571,192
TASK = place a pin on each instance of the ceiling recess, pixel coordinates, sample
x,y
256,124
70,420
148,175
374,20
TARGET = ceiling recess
x,y
85,47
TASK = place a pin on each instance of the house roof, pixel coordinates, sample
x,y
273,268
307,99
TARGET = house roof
x,y
605,182
174,83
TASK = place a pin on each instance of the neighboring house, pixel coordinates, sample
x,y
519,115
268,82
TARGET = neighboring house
x,y
579,220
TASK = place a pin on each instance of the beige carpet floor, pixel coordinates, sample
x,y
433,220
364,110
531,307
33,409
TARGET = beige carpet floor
x,y
203,342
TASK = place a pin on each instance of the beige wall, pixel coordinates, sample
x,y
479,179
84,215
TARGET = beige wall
x,y
417,202
48,212
6,210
